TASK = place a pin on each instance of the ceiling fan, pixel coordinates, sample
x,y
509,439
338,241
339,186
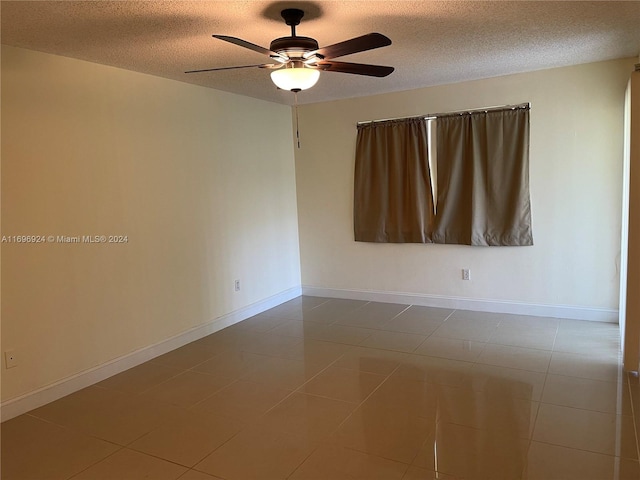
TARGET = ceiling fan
x,y
299,60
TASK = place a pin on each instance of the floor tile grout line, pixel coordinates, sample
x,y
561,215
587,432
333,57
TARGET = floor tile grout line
x,y
366,398
133,449
349,416
555,337
398,314
130,447
297,391
302,462
583,409
325,397
146,392
335,322
77,431
182,372
535,423
191,407
449,316
610,382
373,328
294,391
408,465
75,475
584,450
141,392
73,430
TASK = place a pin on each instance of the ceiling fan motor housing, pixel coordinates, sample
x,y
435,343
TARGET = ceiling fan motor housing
x,y
293,46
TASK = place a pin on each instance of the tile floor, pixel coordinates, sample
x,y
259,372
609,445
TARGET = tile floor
x,y
334,389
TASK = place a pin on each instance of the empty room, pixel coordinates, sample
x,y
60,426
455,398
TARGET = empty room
x,y
253,240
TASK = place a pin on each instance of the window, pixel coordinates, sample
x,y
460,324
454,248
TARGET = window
x,y
393,199
481,192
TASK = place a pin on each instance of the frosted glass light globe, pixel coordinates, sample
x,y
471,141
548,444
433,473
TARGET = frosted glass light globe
x,y
295,78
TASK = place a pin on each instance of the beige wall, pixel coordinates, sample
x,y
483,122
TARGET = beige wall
x,y
201,182
575,168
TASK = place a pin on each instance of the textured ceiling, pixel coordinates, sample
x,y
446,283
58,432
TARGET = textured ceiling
x,y
434,42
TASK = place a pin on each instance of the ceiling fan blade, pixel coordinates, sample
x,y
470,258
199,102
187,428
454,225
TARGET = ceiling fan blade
x,y
252,46
355,68
355,45
263,65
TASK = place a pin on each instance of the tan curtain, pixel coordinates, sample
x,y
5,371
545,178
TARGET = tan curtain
x,y
392,189
483,179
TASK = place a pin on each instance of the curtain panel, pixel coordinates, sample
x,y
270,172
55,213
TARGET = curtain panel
x,y
393,202
483,179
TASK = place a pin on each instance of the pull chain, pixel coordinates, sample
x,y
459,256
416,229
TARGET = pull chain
x,y
295,108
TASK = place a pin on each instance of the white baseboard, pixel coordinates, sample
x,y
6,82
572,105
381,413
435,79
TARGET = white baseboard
x,y
460,303
24,403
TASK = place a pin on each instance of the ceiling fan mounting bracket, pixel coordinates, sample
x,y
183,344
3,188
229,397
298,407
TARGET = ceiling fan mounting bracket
x,y
292,16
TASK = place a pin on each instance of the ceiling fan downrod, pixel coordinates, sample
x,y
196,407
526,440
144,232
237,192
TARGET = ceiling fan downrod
x,y
292,17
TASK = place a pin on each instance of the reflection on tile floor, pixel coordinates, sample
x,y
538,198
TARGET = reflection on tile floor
x,y
333,389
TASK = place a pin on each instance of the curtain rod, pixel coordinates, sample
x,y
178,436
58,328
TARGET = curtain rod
x,y
459,112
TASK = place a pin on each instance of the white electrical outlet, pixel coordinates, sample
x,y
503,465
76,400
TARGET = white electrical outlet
x,y
236,285
10,359
466,274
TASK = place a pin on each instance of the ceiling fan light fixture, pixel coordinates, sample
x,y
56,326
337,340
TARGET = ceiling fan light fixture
x,y
295,79
299,59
